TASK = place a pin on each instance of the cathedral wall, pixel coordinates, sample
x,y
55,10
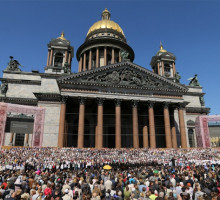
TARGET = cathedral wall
x,y
51,124
22,90
193,101
187,136
49,86
7,139
176,118
191,117
194,89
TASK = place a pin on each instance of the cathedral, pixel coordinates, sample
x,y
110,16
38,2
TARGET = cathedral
x,y
111,102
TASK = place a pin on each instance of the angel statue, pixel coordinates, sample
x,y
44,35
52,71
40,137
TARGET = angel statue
x,y
13,65
4,88
124,54
194,81
66,68
178,77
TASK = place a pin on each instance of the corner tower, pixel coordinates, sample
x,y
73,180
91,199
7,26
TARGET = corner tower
x,y
60,55
163,63
105,44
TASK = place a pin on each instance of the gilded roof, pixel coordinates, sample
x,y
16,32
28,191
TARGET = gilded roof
x,y
106,23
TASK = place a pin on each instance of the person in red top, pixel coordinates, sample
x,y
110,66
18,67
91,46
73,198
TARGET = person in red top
x,y
5,185
48,190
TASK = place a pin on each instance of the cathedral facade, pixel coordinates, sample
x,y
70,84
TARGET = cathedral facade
x,y
110,102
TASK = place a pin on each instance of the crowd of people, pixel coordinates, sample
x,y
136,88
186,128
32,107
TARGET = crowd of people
x,y
146,174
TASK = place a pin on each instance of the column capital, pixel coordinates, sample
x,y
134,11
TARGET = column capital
x,y
134,103
118,102
82,100
64,99
182,105
150,104
166,104
100,101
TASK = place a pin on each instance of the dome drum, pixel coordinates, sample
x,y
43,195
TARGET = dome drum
x,y
106,33
104,43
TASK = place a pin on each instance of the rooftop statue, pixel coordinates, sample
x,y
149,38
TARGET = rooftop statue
x,y
66,68
4,88
13,65
194,81
178,77
124,54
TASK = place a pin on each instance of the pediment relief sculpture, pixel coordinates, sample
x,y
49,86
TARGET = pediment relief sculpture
x,y
124,77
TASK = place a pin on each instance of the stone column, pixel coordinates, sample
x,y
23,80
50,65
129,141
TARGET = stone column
x,y
26,139
145,137
97,57
51,56
174,70
48,57
113,56
96,136
90,59
162,68
182,126
119,56
11,139
99,143
173,130
66,56
118,123
167,125
84,61
135,125
81,123
62,122
80,64
158,68
69,60
105,56
151,125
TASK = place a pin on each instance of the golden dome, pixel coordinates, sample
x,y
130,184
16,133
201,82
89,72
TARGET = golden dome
x,y
105,23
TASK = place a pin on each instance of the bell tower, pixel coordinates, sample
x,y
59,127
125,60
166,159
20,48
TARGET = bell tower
x,y
163,63
60,54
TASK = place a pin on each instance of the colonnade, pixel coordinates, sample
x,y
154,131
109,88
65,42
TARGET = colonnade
x,y
160,68
51,57
86,58
169,125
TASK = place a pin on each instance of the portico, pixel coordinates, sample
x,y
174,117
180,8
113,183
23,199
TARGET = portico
x,y
107,130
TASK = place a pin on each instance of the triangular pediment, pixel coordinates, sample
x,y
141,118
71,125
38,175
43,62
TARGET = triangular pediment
x,y
122,76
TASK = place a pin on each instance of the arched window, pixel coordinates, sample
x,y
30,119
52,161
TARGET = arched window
x,y
58,61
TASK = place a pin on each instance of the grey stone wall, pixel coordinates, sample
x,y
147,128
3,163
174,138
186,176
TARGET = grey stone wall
x,y
22,90
51,123
49,86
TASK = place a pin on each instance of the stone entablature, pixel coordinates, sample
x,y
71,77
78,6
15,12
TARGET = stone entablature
x,y
22,75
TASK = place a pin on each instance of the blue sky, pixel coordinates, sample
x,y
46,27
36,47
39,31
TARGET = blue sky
x,y
189,29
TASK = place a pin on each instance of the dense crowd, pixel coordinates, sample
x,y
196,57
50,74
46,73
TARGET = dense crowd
x,y
71,173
